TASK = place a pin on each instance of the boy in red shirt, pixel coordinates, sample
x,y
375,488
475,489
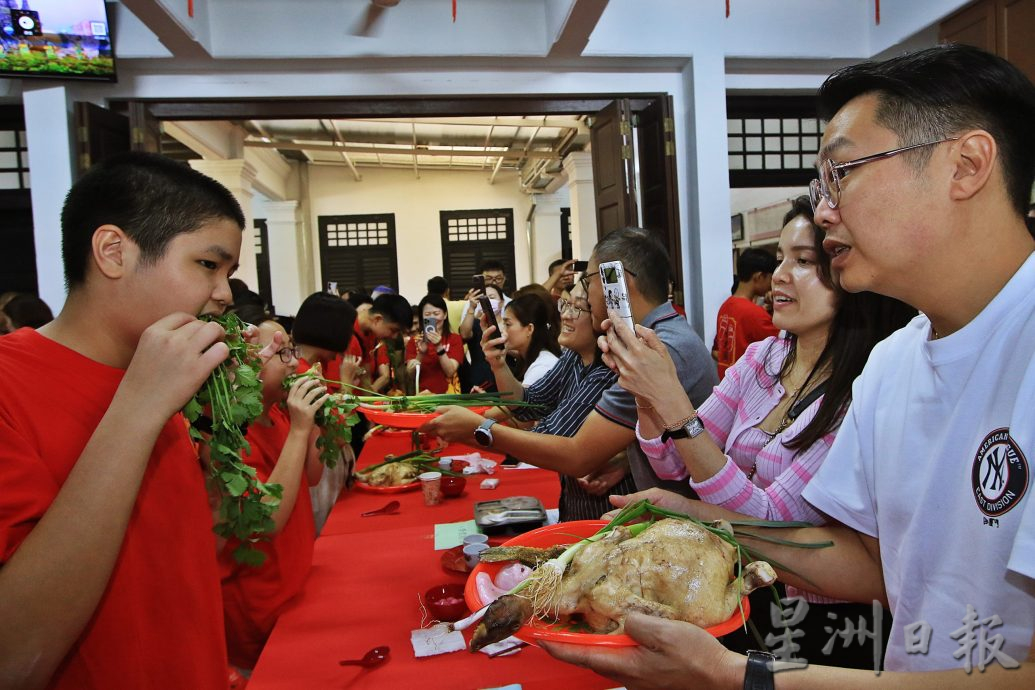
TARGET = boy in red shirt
x,y
109,575
740,321
386,318
283,451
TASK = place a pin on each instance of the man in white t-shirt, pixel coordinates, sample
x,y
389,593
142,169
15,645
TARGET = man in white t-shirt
x,y
926,168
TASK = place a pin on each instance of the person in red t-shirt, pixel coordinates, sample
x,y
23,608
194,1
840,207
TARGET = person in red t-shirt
x,y
283,451
436,349
322,329
740,321
108,574
386,318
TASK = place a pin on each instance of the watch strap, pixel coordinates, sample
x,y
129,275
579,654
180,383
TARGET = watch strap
x,y
759,672
691,428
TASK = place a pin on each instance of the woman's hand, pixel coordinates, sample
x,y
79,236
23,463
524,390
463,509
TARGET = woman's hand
x,y
434,337
453,424
495,355
642,362
654,495
472,299
305,397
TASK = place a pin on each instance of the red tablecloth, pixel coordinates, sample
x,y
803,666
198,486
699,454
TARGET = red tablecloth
x,y
364,591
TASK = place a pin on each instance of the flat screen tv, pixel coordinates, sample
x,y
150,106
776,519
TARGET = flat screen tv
x,y
64,39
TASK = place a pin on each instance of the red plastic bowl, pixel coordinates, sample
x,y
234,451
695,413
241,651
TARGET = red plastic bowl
x,y
446,602
453,486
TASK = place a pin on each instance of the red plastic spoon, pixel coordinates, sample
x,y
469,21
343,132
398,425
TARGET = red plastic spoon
x,y
391,508
375,657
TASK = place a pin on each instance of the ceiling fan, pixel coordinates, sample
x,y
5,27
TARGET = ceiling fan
x,y
368,22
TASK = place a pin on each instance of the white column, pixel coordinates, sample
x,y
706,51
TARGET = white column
x,y
579,168
48,116
547,233
237,175
283,233
706,232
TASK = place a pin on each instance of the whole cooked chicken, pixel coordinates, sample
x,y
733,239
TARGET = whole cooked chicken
x,y
393,474
673,569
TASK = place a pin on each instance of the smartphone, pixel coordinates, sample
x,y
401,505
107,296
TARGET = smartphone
x,y
491,316
332,288
616,292
478,282
430,324
580,266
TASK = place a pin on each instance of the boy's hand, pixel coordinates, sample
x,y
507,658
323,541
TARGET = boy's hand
x,y
178,352
305,397
349,369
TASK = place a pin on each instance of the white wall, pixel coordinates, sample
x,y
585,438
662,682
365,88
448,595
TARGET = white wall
x,y
416,204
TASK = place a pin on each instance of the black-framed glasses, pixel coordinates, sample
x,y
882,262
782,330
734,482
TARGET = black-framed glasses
x,y
288,353
564,306
828,186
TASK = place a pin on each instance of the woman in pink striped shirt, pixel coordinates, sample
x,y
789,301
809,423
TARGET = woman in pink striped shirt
x,y
772,419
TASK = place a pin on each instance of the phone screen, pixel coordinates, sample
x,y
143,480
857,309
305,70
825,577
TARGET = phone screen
x,y
610,275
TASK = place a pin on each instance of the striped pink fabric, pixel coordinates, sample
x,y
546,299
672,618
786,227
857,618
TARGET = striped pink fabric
x,y
744,398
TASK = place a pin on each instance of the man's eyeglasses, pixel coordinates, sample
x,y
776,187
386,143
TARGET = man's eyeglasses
x,y
289,353
564,305
828,186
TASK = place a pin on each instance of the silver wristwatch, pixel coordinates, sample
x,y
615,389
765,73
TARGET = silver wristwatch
x,y
691,429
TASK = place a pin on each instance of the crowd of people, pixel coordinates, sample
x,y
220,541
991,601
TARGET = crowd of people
x,y
873,380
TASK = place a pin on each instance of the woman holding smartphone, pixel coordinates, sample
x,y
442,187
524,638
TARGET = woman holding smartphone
x,y
476,373
530,338
772,419
436,349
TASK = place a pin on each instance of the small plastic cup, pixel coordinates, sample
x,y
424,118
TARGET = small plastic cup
x,y
476,539
431,485
472,553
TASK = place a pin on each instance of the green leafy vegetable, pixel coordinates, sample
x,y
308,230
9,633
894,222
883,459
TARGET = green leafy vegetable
x,y
233,394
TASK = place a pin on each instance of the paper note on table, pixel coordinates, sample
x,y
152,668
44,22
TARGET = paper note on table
x,y
450,534
436,640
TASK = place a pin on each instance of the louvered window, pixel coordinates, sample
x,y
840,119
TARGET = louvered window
x,y
469,238
359,251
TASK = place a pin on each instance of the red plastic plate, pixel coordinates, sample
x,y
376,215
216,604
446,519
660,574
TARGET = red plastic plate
x,y
403,420
565,533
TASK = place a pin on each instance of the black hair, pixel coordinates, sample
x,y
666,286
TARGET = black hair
x,y
939,92
555,264
251,312
643,255
551,304
861,320
358,298
529,308
394,308
439,303
492,265
754,260
324,321
150,197
25,310
437,285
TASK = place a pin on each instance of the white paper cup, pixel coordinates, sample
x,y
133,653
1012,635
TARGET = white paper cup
x,y
475,539
472,553
431,485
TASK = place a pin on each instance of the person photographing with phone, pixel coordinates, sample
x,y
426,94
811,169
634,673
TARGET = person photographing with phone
x,y
477,372
436,350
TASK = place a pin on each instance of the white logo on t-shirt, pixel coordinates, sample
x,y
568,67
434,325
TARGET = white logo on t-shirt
x,y
1000,473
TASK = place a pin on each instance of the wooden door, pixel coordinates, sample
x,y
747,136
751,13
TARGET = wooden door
x,y
659,194
100,134
145,129
611,147
1015,29
974,25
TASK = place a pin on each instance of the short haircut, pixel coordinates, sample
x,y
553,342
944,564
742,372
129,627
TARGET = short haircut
x,y
394,308
555,264
439,303
643,255
437,285
324,321
358,298
150,197
492,265
940,92
752,261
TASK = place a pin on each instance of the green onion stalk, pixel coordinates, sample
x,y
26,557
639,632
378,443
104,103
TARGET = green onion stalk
x,y
233,395
547,577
